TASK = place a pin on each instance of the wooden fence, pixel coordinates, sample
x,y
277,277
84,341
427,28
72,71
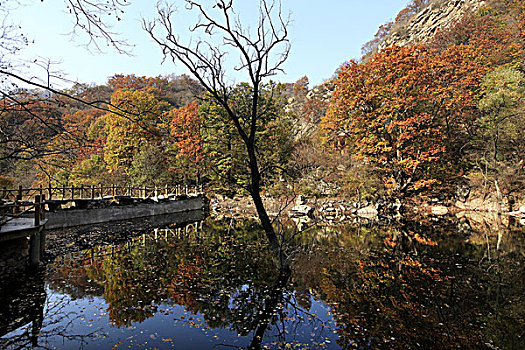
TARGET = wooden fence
x,y
13,210
17,202
93,192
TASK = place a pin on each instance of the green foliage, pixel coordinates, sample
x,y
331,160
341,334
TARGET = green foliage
x,y
130,126
227,167
149,166
502,109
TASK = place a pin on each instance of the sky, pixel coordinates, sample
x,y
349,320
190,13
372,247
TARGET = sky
x,y
324,34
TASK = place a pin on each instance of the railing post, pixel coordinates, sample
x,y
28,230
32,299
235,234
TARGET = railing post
x,y
16,208
42,232
92,192
101,190
129,191
145,192
18,199
114,190
36,241
42,206
186,190
64,191
72,192
37,210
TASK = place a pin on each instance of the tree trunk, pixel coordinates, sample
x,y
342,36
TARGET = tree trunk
x,y
255,191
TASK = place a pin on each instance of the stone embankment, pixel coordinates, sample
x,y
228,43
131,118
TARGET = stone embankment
x,y
88,212
307,211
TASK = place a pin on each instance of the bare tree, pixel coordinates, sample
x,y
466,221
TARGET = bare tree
x,y
89,18
261,51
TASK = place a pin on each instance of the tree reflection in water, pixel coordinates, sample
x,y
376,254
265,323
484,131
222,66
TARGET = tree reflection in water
x,y
225,275
411,285
29,319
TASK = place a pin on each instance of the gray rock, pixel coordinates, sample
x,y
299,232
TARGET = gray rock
x,y
300,200
439,210
367,212
303,209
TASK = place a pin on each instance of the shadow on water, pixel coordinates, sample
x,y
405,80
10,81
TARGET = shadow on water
x,y
450,283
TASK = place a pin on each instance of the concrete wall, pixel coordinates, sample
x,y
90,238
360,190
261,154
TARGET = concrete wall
x,y
13,256
77,217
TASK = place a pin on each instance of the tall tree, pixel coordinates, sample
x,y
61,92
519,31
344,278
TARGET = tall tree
x,y
402,110
185,125
262,52
226,152
132,125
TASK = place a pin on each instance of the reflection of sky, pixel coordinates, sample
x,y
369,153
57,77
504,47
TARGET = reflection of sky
x,y
84,323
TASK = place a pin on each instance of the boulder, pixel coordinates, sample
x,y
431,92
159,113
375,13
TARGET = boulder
x,y
367,212
300,200
303,209
439,210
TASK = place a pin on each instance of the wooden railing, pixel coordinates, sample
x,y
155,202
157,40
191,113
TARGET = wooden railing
x,y
17,209
94,191
18,202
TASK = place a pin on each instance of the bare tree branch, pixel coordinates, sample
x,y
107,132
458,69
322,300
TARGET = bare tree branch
x,y
261,54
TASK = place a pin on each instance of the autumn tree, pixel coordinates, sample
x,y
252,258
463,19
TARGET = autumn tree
x,y
262,53
30,137
400,110
131,125
494,38
76,144
187,146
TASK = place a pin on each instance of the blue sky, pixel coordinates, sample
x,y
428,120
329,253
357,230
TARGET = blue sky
x,y
324,34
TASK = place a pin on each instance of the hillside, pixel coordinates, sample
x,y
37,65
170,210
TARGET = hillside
x,y
418,23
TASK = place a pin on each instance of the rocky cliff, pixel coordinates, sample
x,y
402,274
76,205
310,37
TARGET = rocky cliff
x,y
417,29
421,27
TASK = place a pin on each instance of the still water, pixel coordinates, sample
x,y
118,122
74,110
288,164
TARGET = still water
x,y
426,284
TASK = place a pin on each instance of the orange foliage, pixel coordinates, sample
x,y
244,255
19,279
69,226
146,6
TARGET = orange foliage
x,y
185,129
395,110
132,82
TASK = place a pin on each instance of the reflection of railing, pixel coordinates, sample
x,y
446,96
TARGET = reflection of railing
x,y
20,208
90,256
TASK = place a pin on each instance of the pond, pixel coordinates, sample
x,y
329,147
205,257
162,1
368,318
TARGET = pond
x,y
425,284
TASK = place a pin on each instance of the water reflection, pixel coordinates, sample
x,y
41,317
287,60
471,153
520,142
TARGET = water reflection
x,y
418,284
22,303
422,285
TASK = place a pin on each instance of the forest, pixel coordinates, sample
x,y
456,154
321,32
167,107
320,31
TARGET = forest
x,y
382,208
404,121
